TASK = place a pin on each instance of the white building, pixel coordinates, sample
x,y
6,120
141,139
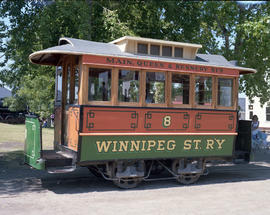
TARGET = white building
x,y
249,109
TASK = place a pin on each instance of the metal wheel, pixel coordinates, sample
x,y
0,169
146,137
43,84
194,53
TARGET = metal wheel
x,y
184,178
126,182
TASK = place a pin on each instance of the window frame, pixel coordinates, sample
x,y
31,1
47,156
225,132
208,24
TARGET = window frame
x,y
165,104
147,48
213,103
190,90
233,93
121,103
111,102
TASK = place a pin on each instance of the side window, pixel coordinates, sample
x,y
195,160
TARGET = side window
x,y
128,88
203,90
99,84
58,85
180,89
225,92
155,87
142,48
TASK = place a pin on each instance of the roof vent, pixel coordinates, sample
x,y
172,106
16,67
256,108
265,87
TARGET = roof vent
x,y
64,41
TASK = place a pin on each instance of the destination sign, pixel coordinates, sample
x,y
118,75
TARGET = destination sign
x,y
157,65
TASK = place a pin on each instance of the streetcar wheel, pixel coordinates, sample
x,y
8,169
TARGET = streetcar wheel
x,y
127,183
184,178
188,178
124,183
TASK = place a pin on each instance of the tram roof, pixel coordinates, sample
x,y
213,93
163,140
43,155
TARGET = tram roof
x,y
71,46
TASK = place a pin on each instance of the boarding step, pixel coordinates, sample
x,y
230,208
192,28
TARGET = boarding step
x,y
55,159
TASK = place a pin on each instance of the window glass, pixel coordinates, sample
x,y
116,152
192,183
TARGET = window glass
x,y
142,48
76,84
167,51
59,79
68,84
154,50
99,84
225,92
180,89
178,52
128,88
203,90
155,87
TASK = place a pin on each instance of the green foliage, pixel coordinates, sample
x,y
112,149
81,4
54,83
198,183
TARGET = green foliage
x,y
236,31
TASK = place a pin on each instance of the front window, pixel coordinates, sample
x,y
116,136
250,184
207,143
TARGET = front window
x,y
203,90
155,87
180,89
225,92
99,84
128,88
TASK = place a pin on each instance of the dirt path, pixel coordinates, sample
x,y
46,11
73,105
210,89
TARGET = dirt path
x,y
228,189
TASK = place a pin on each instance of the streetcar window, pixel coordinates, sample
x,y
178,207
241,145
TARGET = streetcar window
x,y
180,89
225,92
154,49
155,87
128,88
142,48
203,90
59,79
99,84
167,51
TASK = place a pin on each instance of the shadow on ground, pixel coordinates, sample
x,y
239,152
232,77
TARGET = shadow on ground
x,y
17,178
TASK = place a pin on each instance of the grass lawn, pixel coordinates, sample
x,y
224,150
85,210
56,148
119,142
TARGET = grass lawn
x,y
16,134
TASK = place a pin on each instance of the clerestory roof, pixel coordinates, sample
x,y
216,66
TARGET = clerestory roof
x,y
79,47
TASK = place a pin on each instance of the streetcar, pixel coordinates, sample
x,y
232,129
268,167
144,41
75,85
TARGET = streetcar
x,y
137,106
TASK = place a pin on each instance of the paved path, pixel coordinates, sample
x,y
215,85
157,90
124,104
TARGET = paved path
x,y
228,189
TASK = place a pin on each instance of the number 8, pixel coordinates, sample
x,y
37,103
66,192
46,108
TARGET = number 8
x,y
167,121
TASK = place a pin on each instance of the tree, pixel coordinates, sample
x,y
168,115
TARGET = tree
x,y
222,27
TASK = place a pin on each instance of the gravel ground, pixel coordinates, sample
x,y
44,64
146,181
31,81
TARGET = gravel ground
x,y
227,189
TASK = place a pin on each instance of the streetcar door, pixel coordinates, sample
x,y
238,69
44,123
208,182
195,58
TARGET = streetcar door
x,y
58,106
67,77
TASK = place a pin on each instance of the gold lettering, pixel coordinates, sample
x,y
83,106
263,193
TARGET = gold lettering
x,y
187,145
171,145
161,145
210,144
220,142
197,143
104,146
151,144
114,146
143,145
135,145
123,145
